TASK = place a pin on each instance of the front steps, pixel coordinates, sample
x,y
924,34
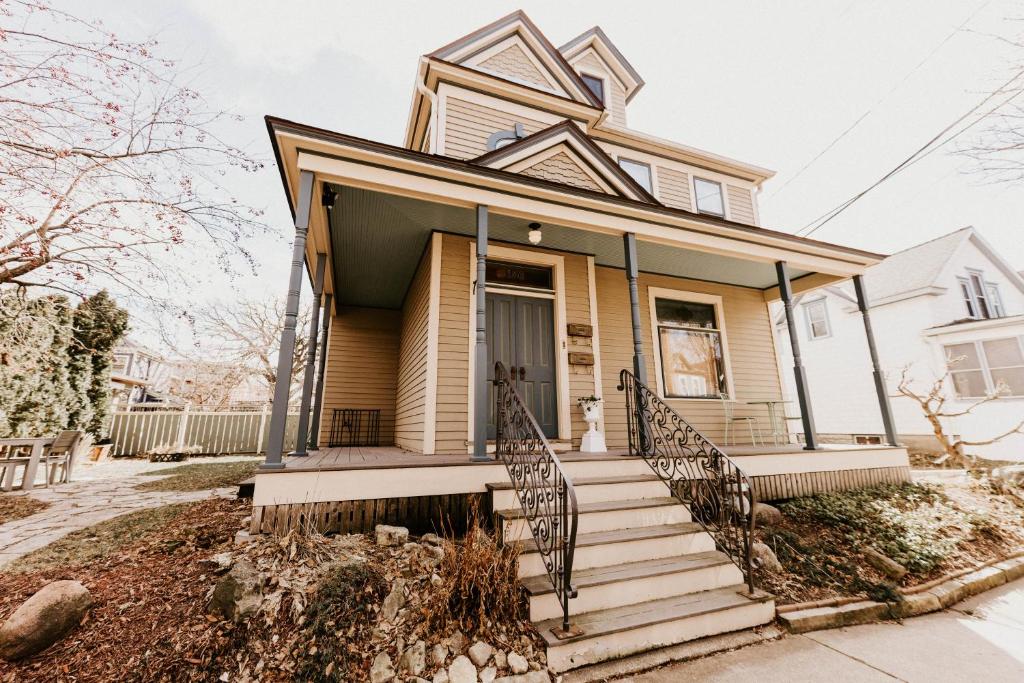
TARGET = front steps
x,y
647,576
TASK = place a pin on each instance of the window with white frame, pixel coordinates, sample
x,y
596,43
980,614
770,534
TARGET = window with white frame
x,y
690,344
639,172
709,196
981,298
995,301
985,368
816,313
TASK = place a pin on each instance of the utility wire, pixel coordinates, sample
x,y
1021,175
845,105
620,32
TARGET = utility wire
x,y
918,154
884,97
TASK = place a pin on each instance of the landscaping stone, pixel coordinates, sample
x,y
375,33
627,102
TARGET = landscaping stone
x,y
43,619
488,675
440,677
382,671
816,618
462,671
391,535
456,642
394,601
431,539
891,568
238,593
500,659
765,558
438,655
480,653
766,515
913,605
414,660
517,663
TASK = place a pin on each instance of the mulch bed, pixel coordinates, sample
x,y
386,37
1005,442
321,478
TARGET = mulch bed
x,y
148,621
19,507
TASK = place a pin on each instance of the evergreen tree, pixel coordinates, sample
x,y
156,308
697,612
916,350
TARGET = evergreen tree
x,y
99,324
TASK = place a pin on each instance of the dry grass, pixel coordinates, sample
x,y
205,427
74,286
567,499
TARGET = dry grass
x,y
14,507
201,476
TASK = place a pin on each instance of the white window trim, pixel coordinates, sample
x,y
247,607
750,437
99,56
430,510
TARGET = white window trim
x,y
807,318
966,282
721,186
986,371
557,263
995,298
654,293
650,172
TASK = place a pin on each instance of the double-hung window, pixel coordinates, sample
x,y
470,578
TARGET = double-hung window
x,y
709,196
690,343
979,369
981,298
817,319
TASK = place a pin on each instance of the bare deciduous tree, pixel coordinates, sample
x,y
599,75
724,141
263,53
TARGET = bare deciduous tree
x,y
933,403
106,159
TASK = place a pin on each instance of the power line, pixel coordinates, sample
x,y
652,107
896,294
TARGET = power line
x,y
918,154
884,97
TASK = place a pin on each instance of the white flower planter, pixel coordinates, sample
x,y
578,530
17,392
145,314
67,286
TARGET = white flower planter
x,y
593,440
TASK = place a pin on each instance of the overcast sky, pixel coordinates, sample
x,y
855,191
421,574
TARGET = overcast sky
x,y
772,83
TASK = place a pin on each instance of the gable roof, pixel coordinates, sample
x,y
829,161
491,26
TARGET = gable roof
x,y
586,153
597,39
471,44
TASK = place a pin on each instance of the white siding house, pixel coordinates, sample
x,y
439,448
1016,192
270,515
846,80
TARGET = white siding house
x,y
951,297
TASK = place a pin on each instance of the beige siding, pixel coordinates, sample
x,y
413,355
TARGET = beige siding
x,y
616,95
674,188
562,169
741,204
453,347
750,348
362,366
411,396
468,125
513,62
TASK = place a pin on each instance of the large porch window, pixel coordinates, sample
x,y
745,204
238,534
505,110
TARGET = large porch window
x,y
690,349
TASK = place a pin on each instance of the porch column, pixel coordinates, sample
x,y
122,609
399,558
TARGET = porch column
x,y
318,403
876,367
632,273
810,436
482,373
279,414
302,434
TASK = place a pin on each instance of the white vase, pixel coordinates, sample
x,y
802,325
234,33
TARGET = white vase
x,y
593,440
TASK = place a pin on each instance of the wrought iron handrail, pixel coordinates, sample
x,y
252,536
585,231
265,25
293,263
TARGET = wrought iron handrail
x,y
543,488
696,471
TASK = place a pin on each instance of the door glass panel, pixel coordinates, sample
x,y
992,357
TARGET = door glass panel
x,y
519,275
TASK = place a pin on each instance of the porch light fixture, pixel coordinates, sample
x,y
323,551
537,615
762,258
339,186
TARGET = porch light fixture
x,y
534,236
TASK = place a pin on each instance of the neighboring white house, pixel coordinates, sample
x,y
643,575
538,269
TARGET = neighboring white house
x,y
137,374
952,297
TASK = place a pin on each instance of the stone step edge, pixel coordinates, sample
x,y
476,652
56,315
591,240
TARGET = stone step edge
x,y
594,538
934,599
586,481
603,506
646,569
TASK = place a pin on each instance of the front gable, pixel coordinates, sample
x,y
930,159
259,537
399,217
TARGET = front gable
x,y
563,153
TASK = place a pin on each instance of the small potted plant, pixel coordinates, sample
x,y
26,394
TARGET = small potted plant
x,y
593,440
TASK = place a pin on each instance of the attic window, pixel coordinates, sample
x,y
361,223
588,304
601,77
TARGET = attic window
x,y
595,84
641,173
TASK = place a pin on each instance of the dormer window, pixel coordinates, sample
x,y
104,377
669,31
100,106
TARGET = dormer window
x,y
709,197
595,84
639,172
981,298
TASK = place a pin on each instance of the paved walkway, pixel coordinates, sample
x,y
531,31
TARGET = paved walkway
x,y
98,492
980,639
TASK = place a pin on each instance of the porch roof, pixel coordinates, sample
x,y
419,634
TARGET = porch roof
x,y
391,199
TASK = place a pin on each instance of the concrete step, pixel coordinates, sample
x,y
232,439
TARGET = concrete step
x,y
603,516
620,631
606,466
602,588
605,548
590,490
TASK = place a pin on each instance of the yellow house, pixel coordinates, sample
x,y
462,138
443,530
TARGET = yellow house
x,y
523,253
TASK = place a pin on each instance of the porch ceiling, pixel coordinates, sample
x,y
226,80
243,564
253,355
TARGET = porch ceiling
x,y
378,240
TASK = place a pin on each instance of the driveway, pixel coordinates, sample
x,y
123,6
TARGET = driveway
x,y
980,639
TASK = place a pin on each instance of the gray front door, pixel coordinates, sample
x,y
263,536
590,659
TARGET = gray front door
x,y
521,334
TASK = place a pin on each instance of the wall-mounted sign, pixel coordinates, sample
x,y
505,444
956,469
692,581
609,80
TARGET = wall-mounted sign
x,y
580,330
580,358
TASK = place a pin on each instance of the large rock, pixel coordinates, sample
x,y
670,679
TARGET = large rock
x,y
414,660
382,671
766,515
480,653
44,619
462,671
394,601
391,535
891,568
517,663
238,593
764,558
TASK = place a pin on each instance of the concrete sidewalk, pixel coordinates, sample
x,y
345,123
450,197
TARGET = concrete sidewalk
x,y
980,639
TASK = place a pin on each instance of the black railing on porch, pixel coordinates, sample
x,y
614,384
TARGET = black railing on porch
x,y
354,427
543,488
696,471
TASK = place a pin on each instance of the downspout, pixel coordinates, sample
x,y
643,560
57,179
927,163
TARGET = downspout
x,y
432,123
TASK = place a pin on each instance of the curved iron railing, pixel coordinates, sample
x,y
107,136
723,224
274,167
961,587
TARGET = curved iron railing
x,y
697,472
543,488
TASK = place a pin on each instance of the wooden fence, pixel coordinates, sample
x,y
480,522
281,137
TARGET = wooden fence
x,y
214,432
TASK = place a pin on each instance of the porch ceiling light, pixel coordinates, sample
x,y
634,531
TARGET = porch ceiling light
x,y
534,236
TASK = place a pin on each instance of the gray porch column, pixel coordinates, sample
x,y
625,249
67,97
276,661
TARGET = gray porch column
x,y
632,273
279,414
318,402
876,367
810,436
482,373
302,434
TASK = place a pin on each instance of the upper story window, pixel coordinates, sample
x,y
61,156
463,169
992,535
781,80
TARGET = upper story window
x,y
709,196
595,84
981,299
690,344
987,368
817,319
641,173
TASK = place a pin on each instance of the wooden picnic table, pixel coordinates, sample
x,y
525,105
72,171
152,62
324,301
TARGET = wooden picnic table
x,y
38,447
